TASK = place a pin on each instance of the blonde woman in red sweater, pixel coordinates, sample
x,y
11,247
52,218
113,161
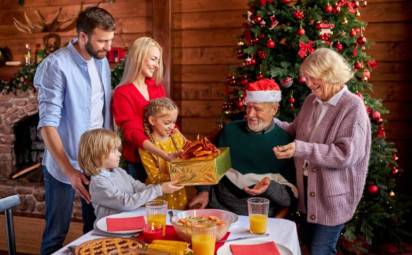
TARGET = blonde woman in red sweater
x,y
141,82
331,149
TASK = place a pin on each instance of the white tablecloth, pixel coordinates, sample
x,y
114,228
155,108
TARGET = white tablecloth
x,y
280,230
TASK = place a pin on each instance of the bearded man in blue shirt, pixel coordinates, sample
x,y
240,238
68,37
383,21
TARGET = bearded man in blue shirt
x,y
74,93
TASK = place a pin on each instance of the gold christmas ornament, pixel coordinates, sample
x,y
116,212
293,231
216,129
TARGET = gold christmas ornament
x,y
357,13
345,21
392,194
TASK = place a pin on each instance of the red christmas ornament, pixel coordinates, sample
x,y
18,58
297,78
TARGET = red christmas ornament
x,y
258,19
244,82
240,54
259,76
352,32
339,46
263,2
270,43
358,65
298,14
372,63
291,100
380,133
361,40
254,40
253,61
369,110
336,10
286,1
395,157
373,189
287,82
240,104
262,54
394,171
300,32
328,8
366,75
376,116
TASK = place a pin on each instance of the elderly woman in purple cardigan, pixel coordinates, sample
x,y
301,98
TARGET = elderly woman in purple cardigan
x,y
331,149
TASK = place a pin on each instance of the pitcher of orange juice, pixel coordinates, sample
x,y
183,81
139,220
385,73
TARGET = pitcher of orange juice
x,y
203,239
258,209
156,211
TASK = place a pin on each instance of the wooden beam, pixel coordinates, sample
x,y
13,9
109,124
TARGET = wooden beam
x,y
162,33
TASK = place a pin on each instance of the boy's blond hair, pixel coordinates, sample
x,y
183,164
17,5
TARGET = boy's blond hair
x,y
95,146
157,108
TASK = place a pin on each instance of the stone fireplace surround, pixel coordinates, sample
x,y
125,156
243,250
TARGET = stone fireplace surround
x,y
13,108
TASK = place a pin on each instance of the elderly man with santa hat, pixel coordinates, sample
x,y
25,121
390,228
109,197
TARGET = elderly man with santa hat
x,y
255,171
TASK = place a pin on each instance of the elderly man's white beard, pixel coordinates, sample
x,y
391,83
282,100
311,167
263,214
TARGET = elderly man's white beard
x,y
257,127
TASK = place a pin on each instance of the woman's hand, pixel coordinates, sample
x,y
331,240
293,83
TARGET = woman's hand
x,y
170,187
259,187
285,151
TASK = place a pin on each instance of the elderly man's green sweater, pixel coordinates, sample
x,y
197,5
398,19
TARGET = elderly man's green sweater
x,y
252,152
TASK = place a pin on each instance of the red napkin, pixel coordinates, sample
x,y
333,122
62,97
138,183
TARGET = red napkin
x,y
124,224
268,248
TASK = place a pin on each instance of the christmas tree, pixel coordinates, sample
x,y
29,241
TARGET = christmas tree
x,y
277,36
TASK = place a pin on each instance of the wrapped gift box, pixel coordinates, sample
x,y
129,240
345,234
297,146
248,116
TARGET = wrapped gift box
x,y
200,171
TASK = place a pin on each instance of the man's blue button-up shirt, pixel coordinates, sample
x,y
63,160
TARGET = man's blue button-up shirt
x,y
64,93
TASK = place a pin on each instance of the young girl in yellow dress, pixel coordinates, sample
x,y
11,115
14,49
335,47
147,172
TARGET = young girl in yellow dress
x,y
159,123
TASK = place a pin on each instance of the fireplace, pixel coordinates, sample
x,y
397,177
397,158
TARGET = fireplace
x,y
21,147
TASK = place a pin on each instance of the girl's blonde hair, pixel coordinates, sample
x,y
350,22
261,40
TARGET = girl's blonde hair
x,y
138,52
158,107
327,65
95,146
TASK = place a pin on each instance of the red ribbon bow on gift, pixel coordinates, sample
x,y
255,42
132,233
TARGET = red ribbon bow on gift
x,y
305,48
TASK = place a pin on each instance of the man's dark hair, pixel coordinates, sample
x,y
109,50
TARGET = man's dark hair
x,y
94,17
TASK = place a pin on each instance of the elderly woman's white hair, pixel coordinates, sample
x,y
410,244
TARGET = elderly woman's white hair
x,y
327,65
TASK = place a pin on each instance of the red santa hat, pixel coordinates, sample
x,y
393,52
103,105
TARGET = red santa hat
x,y
263,91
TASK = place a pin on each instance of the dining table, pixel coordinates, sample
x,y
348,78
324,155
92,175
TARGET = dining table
x,y
282,231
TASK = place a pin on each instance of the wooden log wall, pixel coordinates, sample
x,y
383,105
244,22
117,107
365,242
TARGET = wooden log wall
x,y
204,36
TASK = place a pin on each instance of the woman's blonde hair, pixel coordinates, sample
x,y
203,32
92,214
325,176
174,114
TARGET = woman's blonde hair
x,y
158,107
136,55
327,65
95,146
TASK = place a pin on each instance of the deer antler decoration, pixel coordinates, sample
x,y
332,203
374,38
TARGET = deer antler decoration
x,y
55,24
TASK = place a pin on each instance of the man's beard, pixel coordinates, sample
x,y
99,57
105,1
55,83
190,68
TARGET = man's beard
x,y
92,52
258,127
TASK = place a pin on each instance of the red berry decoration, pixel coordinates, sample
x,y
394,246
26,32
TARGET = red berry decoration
x,y
328,8
300,32
270,44
298,14
373,189
262,54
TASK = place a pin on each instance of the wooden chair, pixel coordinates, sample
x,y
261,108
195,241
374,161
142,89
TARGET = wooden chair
x,y
282,213
6,205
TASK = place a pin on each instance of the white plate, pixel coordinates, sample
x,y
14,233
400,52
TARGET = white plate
x,y
102,226
225,249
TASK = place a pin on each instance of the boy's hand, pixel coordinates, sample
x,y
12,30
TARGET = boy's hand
x,y
170,187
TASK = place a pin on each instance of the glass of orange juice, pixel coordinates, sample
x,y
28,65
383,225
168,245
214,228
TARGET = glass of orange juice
x,y
203,239
258,209
156,211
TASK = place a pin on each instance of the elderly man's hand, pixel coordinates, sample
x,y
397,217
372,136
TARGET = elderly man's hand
x,y
259,187
200,201
285,151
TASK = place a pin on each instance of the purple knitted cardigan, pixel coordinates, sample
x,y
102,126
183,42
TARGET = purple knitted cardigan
x,y
338,155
